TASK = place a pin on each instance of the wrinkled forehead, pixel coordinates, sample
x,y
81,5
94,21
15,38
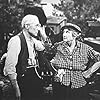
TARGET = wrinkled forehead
x,y
67,31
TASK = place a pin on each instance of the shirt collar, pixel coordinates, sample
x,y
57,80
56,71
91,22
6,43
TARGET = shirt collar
x,y
27,37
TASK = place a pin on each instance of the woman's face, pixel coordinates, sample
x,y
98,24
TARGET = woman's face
x,y
68,35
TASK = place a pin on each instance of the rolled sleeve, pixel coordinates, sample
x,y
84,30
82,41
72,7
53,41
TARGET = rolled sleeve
x,y
12,57
94,54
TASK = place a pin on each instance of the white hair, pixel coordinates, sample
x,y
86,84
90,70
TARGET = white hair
x,y
28,19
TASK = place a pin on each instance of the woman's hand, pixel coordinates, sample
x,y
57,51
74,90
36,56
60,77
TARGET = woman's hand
x,y
87,73
60,74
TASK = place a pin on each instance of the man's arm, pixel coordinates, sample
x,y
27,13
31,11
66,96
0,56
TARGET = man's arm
x,y
12,57
44,41
10,63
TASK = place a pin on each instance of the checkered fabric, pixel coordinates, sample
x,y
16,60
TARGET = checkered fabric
x,y
74,64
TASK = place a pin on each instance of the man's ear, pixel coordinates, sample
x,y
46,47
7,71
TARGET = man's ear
x,y
27,26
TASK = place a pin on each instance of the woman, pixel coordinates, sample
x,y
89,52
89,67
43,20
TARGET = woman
x,y
71,65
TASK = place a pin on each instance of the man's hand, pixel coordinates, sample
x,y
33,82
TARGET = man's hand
x,y
16,88
42,33
2,83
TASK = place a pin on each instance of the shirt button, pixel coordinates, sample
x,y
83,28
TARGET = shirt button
x,y
71,63
70,57
70,68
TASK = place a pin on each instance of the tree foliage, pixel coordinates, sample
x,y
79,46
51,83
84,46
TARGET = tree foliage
x,y
79,11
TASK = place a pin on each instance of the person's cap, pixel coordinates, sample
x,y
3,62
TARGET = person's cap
x,y
73,26
28,19
38,11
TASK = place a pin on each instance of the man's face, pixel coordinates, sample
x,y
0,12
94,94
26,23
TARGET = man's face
x,y
68,35
34,28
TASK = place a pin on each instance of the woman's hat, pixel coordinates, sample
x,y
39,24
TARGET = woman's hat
x,y
73,26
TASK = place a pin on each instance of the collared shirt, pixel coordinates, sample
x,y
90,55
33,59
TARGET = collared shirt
x,y
13,51
74,63
31,43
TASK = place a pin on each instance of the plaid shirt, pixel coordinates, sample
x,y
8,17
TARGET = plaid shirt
x,y
74,64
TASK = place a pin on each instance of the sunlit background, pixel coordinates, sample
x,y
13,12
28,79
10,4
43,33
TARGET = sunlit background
x,y
48,8
51,1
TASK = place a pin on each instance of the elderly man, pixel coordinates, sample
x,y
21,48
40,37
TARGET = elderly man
x,y
71,64
21,63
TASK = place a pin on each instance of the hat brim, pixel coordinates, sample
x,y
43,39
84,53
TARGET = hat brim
x,y
72,27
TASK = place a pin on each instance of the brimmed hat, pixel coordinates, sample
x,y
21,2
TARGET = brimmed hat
x,y
73,26
28,19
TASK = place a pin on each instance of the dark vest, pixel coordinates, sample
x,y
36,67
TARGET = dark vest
x,y
23,56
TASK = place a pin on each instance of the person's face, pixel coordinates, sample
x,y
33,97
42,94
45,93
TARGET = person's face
x,y
68,35
34,28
